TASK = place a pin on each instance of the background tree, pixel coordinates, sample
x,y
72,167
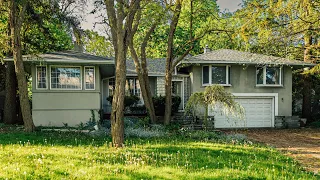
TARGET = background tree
x,y
41,31
97,44
148,18
16,18
283,28
202,17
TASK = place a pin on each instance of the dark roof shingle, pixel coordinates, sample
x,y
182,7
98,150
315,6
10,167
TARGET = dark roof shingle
x,y
68,57
228,56
155,66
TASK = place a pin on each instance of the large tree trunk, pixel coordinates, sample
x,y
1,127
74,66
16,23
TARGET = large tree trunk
x,y
120,16
307,81
169,61
142,72
146,94
168,88
10,106
117,113
15,27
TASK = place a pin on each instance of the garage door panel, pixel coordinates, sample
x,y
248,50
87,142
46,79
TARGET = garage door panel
x,y
258,113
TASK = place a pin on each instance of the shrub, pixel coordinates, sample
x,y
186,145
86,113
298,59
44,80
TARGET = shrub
x,y
315,124
129,101
141,109
160,102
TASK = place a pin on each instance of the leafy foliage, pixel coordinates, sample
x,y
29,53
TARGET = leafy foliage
x,y
97,45
280,28
128,100
160,102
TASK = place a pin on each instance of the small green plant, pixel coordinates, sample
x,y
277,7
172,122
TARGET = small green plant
x,y
65,125
315,124
93,116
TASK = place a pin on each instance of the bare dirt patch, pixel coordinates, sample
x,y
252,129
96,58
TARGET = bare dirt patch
x,y
300,144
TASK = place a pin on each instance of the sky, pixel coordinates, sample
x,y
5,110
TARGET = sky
x,y
90,19
231,5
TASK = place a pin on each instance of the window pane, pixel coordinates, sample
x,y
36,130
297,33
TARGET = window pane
x,y
137,89
205,74
89,77
219,75
65,78
41,77
259,73
272,75
111,86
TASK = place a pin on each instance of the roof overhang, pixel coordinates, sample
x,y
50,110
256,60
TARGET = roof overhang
x,y
192,62
58,61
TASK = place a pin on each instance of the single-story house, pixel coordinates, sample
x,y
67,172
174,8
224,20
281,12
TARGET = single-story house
x,y
68,86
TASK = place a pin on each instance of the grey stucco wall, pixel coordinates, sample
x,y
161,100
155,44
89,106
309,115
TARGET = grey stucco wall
x,y
243,80
56,107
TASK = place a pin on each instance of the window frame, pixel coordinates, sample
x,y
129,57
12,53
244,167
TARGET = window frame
x,y
265,77
210,75
47,87
67,89
94,77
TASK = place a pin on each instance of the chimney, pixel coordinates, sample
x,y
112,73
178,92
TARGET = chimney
x,y
77,47
207,49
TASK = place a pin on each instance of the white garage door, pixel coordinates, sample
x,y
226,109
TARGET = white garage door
x,y
258,113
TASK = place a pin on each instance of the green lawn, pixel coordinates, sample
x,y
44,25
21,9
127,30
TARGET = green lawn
x,y
49,155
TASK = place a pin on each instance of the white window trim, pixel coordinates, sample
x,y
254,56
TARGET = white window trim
x,y
94,77
59,89
265,78
37,77
210,76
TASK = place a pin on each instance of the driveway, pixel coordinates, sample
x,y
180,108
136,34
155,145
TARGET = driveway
x,y
300,144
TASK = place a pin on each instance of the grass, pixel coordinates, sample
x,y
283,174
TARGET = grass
x,y
53,155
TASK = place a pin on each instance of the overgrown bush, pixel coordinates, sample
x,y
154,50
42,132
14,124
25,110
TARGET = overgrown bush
x,y
315,124
160,103
141,109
